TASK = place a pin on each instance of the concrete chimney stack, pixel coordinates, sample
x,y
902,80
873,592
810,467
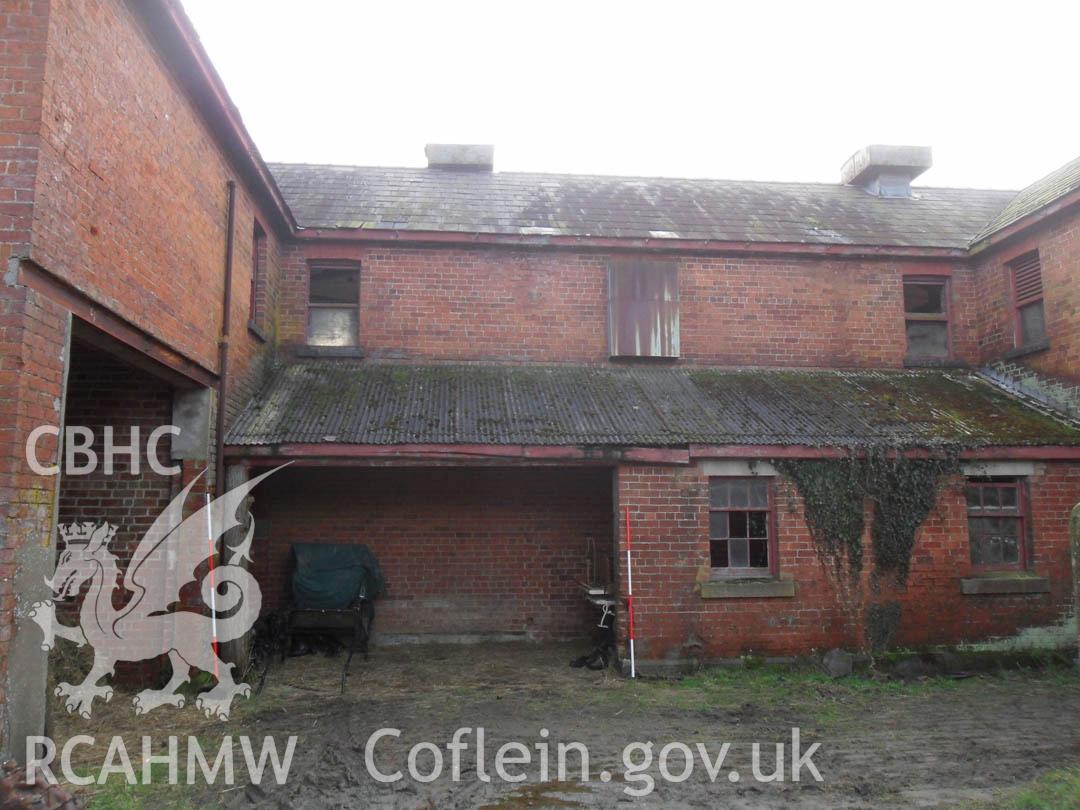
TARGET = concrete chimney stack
x,y
886,171
461,156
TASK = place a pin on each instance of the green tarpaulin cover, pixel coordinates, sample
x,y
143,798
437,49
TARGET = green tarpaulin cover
x,y
334,575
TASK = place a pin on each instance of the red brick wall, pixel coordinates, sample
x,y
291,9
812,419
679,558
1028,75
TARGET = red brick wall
x,y
1058,243
32,337
251,351
551,306
935,611
806,312
669,522
131,200
23,27
23,393
109,180
31,329
103,391
465,551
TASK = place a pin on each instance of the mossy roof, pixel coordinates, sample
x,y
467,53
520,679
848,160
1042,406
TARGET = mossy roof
x,y
531,204
1059,183
360,402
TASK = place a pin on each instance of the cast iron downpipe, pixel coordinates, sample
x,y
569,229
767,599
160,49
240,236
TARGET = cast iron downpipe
x,y
223,344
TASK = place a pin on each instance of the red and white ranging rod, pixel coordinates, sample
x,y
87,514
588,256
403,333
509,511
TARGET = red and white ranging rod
x,y
213,586
630,596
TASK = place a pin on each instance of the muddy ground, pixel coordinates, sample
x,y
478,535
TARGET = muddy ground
x,y
923,743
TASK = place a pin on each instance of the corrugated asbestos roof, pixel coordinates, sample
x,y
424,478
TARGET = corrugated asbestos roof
x,y
511,203
355,402
1039,194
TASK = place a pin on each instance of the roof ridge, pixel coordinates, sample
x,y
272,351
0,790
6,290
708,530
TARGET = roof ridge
x,y
601,176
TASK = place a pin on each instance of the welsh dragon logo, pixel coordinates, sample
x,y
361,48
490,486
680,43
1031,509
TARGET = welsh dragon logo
x,y
153,621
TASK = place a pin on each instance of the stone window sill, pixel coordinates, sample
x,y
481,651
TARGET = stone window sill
x,y
934,362
1003,583
764,588
1024,351
257,331
329,351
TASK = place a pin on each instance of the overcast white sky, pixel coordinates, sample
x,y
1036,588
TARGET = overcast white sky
x,y
754,90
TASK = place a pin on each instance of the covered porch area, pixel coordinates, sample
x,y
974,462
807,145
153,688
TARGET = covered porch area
x,y
487,493
469,553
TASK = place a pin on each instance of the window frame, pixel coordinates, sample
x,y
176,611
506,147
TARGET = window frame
x,y
772,570
944,317
1019,303
1021,515
315,266
643,275
259,251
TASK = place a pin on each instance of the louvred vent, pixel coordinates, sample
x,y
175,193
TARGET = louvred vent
x,y
1027,273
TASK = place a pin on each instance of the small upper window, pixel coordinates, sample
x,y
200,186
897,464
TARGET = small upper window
x,y
643,308
1028,300
333,306
258,274
996,517
926,318
740,525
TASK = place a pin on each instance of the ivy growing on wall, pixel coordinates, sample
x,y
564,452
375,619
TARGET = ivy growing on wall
x,y
833,493
901,490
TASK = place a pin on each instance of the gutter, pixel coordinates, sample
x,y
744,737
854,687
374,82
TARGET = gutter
x,y
175,38
223,344
335,455
608,243
1025,222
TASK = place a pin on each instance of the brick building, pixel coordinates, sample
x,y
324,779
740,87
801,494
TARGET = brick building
x,y
486,376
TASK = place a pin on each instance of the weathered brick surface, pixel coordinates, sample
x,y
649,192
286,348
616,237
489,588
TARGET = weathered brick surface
x,y
104,392
131,197
110,181
32,340
1058,243
23,27
488,551
30,329
505,304
669,524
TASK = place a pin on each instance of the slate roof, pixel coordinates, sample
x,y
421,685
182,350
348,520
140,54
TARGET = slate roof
x,y
1040,193
356,402
509,203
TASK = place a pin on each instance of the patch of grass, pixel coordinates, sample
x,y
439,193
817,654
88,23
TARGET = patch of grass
x,y
1056,790
117,794
804,690
772,682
